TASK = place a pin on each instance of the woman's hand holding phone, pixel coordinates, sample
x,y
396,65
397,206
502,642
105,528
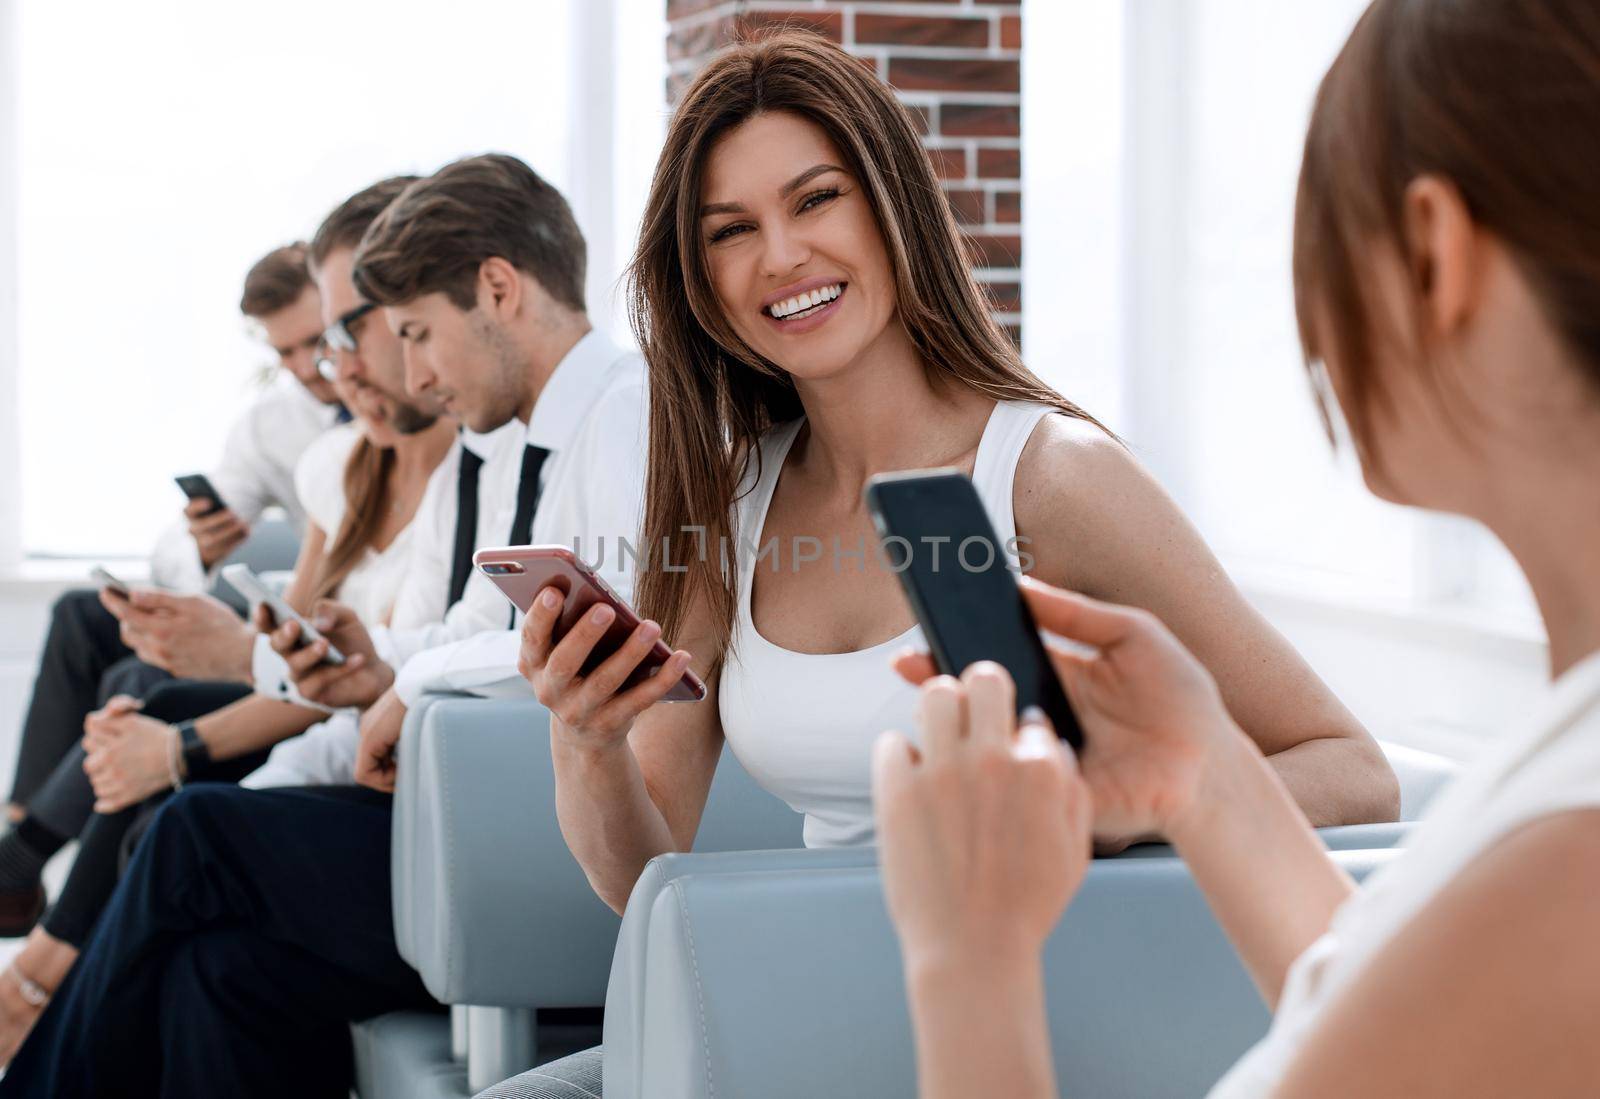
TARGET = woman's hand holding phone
x,y
359,681
1159,741
596,710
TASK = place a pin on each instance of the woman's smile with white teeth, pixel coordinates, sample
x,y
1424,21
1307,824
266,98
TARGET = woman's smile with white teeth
x,y
804,304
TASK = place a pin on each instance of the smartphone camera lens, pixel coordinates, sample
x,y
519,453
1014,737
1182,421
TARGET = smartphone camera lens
x,y
502,569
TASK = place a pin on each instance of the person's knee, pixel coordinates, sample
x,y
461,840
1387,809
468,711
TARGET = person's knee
x,y
73,608
188,819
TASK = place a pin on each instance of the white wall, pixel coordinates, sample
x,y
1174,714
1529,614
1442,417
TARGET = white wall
x,y
163,153
10,447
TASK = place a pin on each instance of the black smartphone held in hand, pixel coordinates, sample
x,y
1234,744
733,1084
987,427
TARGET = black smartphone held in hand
x,y
938,539
255,591
197,486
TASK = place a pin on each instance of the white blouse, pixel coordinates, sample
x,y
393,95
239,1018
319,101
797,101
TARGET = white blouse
x,y
1553,767
325,753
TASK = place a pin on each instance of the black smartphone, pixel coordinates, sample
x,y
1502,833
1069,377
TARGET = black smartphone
x,y
197,486
937,537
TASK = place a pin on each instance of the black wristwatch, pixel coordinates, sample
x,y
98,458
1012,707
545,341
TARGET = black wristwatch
x,y
196,756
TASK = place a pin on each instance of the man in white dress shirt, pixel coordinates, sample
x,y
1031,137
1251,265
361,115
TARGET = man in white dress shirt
x,y
87,657
258,459
255,924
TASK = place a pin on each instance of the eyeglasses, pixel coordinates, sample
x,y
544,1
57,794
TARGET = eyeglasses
x,y
339,337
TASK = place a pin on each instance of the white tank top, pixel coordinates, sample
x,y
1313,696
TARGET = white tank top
x,y
803,724
1553,767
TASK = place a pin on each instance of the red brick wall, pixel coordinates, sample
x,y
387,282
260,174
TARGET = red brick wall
x,y
956,63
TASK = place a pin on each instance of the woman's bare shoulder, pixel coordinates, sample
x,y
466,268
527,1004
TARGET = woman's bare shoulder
x,y
1078,486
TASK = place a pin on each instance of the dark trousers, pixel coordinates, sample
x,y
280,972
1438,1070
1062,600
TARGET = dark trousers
x,y
101,835
251,927
84,664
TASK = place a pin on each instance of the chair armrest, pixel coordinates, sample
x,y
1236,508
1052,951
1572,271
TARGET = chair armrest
x,y
1342,837
1422,775
489,905
779,975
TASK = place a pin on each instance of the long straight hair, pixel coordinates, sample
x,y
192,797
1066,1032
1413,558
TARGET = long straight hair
x,y
367,492
711,395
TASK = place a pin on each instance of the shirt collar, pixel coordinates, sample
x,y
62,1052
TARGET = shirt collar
x,y
576,383
484,443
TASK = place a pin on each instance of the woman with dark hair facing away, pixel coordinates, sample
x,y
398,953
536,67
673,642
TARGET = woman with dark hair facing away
x,y
809,318
1447,280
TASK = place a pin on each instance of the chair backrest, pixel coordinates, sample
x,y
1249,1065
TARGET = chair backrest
x,y
779,975
741,816
273,545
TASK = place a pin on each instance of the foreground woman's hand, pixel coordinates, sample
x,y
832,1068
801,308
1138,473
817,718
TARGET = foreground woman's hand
x,y
1153,720
592,710
128,755
983,839
983,832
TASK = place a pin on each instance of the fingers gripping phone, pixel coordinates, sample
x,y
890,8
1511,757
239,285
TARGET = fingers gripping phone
x,y
249,585
938,539
521,572
197,486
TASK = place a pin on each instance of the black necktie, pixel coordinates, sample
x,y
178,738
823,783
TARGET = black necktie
x,y
527,500
466,523
527,494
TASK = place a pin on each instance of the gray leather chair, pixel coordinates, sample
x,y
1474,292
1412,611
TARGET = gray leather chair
x,y
498,918
780,977
270,551
489,904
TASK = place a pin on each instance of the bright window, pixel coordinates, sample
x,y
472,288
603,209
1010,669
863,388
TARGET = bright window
x,y
167,145
1163,143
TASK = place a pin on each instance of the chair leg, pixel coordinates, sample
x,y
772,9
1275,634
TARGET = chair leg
x,y
458,1033
501,1042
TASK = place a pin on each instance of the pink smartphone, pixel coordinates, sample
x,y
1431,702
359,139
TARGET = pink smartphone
x,y
522,572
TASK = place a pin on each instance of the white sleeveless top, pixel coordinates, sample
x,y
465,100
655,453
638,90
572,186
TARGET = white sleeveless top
x,y
803,724
1553,767
325,754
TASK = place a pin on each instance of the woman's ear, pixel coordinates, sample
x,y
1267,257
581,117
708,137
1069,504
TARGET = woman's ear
x,y
1445,252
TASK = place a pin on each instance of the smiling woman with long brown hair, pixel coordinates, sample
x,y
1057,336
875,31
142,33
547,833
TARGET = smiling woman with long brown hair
x,y
804,303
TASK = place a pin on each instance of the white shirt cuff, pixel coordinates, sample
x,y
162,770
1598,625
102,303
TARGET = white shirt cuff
x,y
483,665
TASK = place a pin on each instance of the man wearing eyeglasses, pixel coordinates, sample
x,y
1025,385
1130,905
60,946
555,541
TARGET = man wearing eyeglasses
x,y
257,467
87,657
195,636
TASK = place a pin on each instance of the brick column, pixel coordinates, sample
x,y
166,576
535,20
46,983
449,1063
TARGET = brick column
x,y
956,63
